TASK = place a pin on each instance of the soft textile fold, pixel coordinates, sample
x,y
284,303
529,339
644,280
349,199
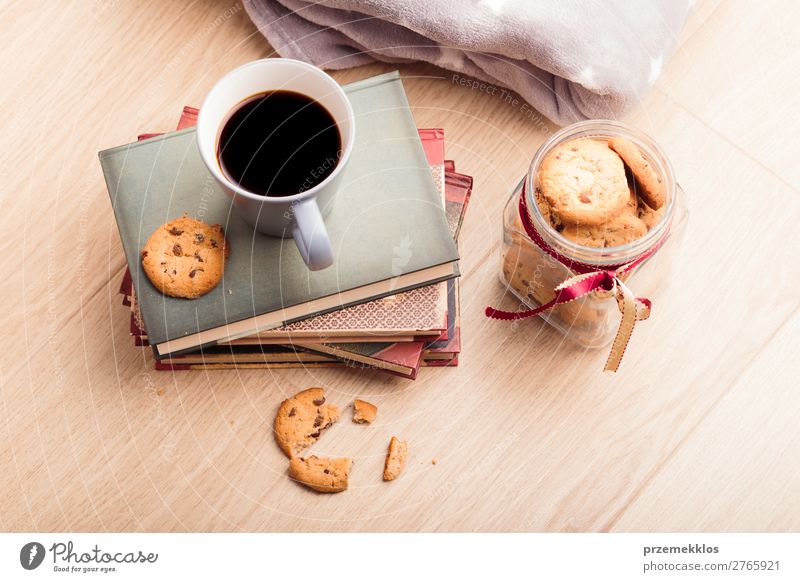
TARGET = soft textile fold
x,y
571,59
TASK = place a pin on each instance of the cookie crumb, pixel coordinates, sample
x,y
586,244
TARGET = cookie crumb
x,y
395,459
161,392
364,412
433,461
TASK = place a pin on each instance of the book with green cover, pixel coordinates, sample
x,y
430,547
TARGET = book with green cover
x,y
387,227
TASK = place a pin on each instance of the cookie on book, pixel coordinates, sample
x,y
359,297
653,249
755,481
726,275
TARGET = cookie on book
x,y
321,473
185,257
364,412
584,182
301,419
395,459
650,188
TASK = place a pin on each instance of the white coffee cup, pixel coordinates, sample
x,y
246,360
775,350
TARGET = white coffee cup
x,y
298,215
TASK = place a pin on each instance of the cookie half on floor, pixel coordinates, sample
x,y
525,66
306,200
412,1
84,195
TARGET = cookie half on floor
x,y
185,257
321,473
301,419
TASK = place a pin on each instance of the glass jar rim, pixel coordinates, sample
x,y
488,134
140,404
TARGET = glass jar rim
x,y
600,256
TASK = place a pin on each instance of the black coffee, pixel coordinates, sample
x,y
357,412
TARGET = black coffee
x,y
279,143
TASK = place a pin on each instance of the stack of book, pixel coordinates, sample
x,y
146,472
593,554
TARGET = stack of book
x,y
391,300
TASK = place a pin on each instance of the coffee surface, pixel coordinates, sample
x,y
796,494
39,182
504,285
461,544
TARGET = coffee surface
x,y
279,143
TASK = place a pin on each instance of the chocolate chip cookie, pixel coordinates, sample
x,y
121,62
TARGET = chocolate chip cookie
x,y
584,182
301,419
185,257
321,473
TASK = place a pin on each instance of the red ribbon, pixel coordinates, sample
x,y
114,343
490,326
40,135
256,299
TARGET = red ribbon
x,y
588,280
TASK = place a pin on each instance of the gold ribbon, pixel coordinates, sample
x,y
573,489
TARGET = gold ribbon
x,y
631,308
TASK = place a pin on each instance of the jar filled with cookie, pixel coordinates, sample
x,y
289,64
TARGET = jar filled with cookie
x,y
598,217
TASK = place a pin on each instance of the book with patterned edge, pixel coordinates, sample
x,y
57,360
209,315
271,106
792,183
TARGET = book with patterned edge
x,y
458,189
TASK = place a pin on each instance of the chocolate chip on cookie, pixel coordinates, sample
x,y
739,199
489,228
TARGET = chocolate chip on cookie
x,y
395,459
584,182
651,190
180,259
301,419
321,473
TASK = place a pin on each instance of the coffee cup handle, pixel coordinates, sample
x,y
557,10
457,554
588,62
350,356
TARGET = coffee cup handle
x,y
311,236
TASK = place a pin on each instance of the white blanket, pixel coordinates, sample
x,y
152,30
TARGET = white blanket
x,y
570,59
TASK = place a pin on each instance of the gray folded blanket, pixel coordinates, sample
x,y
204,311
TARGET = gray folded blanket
x,y
570,59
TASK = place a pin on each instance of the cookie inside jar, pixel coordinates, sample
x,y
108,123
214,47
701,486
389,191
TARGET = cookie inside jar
x,y
597,193
592,197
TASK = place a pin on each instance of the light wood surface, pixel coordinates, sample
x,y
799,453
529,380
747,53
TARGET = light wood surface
x,y
698,430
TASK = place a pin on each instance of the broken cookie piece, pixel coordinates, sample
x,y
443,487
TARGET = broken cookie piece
x,y
395,459
321,473
301,419
364,412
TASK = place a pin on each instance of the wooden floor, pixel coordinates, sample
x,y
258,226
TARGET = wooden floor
x,y
700,430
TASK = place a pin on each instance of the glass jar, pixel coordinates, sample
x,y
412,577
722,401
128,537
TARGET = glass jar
x,y
531,274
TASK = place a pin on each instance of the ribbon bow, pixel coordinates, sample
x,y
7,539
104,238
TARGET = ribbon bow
x,y
603,282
